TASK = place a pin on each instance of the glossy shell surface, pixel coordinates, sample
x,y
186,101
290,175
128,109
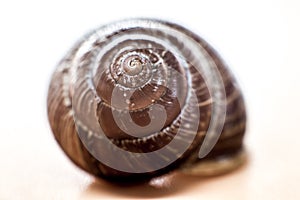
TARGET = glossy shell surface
x,y
138,98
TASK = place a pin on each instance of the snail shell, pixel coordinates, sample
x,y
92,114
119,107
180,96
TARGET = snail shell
x,y
141,97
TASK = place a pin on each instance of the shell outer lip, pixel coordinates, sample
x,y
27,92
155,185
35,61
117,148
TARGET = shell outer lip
x,y
217,166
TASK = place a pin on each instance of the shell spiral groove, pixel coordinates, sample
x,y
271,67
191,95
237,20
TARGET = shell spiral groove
x,y
138,98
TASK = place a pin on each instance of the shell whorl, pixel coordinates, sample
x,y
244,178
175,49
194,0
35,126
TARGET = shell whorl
x,y
137,98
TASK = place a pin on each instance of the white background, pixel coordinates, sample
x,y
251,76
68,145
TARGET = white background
x,y
258,39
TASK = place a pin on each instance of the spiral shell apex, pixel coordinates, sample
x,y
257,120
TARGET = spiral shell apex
x,y
141,97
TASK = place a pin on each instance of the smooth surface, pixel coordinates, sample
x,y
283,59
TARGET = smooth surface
x,y
258,39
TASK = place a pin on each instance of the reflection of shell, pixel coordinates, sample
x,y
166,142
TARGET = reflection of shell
x,y
145,73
